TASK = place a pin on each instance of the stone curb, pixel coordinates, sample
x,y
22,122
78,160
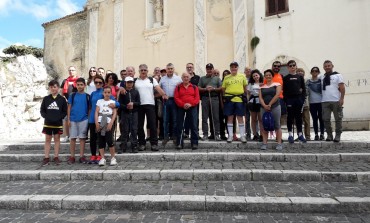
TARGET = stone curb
x,y
214,145
186,203
186,175
211,156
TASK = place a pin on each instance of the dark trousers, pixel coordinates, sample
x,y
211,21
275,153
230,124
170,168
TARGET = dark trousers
x,y
316,114
187,122
106,139
93,139
294,108
192,116
129,123
169,116
147,111
247,121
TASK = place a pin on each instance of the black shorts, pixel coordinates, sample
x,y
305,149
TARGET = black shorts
x,y
52,131
254,107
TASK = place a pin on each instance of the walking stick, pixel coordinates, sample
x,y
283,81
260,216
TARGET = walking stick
x,y
182,128
213,121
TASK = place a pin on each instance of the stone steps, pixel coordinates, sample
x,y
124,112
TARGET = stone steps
x,y
186,175
317,177
186,203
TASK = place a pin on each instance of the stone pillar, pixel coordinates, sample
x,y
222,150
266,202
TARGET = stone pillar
x,y
93,15
200,36
240,32
118,41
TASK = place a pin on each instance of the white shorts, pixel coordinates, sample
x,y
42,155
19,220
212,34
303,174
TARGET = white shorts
x,y
78,129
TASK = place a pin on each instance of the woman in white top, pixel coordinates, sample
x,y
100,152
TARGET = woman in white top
x,y
90,81
254,105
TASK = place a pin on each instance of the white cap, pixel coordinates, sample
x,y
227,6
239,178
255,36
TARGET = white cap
x,y
127,79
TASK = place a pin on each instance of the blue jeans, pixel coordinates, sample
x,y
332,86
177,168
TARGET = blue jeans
x,y
316,114
169,115
192,117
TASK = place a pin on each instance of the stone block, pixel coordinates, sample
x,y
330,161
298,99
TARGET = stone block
x,y
226,203
152,175
187,203
314,204
25,175
184,175
196,156
151,202
31,157
118,202
46,202
301,175
355,157
252,157
268,204
63,175
272,157
300,157
327,158
363,176
217,156
267,175
87,175
133,157
169,156
311,145
249,146
154,157
339,177
354,204
207,175
116,175
354,145
5,175
11,202
9,157
236,175
83,202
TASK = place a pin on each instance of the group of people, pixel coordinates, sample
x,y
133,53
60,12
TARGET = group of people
x,y
170,105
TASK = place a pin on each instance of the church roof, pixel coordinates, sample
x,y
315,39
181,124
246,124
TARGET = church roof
x,y
65,17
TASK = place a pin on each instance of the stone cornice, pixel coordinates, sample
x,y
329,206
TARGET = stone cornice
x,y
155,35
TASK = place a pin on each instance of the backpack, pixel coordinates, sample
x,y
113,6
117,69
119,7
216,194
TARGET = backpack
x,y
178,87
268,121
87,99
150,79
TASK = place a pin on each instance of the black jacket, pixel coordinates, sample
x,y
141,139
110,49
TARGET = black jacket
x,y
130,96
294,86
53,110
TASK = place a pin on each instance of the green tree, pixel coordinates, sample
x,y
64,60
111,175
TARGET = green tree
x,y
22,50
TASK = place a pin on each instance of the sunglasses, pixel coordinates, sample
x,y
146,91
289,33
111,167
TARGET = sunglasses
x,y
278,66
98,82
292,65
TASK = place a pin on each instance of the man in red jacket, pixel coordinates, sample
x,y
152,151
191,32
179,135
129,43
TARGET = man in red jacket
x,y
187,99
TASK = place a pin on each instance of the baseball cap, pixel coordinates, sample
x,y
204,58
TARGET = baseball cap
x,y
234,63
128,79
209,65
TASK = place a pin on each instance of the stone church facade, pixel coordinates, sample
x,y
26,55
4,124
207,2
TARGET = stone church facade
x,y
116,33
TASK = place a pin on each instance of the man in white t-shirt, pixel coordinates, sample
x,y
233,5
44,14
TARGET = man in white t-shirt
x,y
333,91
145,86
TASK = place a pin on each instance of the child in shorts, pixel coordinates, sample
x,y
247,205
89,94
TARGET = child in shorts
x,y
53,110
104,120
77,119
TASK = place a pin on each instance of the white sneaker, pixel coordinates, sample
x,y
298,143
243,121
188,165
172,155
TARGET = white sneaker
x,y
230,138
66,139
102,162
243,139
113,161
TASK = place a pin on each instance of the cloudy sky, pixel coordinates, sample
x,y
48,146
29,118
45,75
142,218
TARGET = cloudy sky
x,y
20,20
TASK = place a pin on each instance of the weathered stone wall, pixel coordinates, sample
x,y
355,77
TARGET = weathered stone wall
x,y
23,86
65,42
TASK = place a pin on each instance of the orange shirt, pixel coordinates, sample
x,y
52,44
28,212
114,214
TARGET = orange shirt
x,y
277,78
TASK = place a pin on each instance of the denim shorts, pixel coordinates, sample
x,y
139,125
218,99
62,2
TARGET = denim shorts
x,y
234,108
78,129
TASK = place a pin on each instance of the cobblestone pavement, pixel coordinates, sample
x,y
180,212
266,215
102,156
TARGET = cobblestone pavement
x,y
211,188
174,217
142,165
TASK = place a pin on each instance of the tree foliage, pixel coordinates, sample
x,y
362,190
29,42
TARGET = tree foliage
x,y
21,50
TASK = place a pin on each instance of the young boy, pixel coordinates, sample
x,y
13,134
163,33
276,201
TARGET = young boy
x,y
53,110
77,114
104,120
130,103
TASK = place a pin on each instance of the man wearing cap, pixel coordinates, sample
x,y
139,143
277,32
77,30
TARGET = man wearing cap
x,y
234,87
130,103
168,84
209,88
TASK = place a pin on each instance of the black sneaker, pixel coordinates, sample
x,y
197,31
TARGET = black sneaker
x,y
134,150
178,147
337,138
194,147
155,148
322,137
317,138
142,148
211,137
223,138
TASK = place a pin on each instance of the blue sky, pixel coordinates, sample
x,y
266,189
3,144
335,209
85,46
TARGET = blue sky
x,y
20,20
